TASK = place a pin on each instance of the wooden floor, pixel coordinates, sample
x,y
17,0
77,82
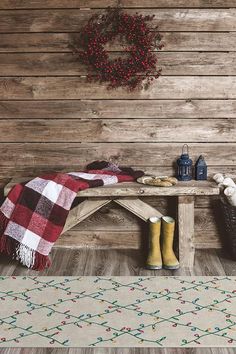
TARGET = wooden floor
x,y
119,351
119,262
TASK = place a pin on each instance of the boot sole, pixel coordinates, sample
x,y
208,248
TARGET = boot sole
x,y
153,267
171,267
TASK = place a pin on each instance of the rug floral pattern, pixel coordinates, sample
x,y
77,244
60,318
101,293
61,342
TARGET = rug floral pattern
x,y
117,311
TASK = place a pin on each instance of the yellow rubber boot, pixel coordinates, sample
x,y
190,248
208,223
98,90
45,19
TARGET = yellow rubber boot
x,y
154,260
169,259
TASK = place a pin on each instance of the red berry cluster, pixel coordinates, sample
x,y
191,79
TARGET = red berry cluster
x,y
141,40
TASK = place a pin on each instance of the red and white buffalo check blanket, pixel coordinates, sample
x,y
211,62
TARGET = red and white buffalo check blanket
x,y
34,213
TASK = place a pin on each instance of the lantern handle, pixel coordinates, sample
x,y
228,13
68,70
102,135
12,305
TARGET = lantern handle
x,y
184,147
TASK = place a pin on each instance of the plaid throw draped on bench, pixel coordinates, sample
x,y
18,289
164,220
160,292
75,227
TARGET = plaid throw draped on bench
x,y
34,213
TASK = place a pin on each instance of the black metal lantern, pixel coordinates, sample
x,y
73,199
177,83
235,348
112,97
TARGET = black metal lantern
x,y
184,164
201,169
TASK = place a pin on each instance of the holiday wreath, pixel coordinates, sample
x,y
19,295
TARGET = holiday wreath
x,y
138,63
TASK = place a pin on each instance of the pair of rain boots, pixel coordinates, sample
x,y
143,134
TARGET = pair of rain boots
x,y
161,237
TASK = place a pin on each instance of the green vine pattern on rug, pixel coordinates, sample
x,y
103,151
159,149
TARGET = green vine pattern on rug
x,y
143,334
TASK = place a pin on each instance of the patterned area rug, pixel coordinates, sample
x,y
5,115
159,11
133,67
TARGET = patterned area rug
x,y
117,311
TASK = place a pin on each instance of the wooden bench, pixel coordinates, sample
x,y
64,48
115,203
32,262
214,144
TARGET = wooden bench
x,y
128,196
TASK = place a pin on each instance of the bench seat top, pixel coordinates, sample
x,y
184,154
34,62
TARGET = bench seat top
x,y
132,189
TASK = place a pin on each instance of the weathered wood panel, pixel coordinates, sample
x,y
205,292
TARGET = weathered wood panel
x,y
183,63
173,41
195,108
72,20
37,42
25,4
124,240
117,130
158,109
39,169
198,41
113,227
31,155
115,218
177,87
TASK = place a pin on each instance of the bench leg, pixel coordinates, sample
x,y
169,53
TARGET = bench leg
x,y
186,231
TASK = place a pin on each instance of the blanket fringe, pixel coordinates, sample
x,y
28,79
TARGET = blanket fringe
x,y
25,255
31,258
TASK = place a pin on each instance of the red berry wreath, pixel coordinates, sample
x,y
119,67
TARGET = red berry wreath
x,y
140,61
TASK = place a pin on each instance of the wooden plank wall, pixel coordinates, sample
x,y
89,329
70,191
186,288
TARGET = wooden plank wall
x,y
52,119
